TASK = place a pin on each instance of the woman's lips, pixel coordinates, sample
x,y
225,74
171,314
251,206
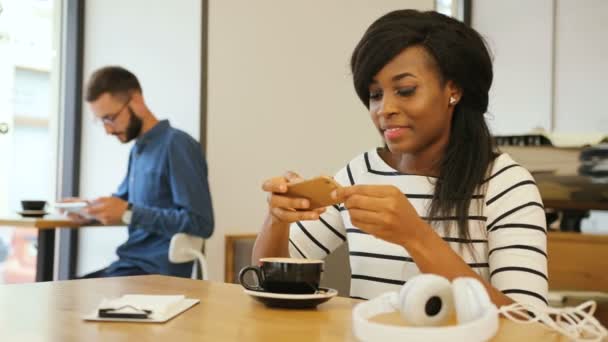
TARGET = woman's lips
x,y
395,132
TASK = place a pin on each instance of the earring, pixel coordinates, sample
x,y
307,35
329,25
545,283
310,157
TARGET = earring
x,y
453,100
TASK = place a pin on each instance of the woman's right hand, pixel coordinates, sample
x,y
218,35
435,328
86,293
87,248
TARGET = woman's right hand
x,y
285,209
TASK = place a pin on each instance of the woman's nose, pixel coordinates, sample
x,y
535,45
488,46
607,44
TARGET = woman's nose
x,y
388,106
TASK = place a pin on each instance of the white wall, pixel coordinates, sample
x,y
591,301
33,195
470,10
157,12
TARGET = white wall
x,y
519,34
281,98
160,41
581,68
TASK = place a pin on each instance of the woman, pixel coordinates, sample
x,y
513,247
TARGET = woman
x,y
438,197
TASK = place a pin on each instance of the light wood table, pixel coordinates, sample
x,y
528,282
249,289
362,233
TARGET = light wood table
x,y
46,222
46,238
53,311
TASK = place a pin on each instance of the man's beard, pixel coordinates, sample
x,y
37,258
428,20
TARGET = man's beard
x,y
134,127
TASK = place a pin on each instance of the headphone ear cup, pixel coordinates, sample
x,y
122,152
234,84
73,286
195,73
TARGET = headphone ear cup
x,y
426,300
470,299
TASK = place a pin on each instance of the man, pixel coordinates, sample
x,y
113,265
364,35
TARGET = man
x,y
165,190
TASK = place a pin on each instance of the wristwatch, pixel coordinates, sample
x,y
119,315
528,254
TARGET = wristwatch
x,y
128,214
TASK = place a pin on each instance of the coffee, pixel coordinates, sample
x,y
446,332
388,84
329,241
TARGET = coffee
x,y
285,275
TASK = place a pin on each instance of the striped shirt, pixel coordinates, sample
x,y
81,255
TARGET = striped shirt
x,y
507,231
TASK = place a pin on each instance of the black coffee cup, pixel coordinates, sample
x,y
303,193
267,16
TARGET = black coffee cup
x,y
285,275
33,205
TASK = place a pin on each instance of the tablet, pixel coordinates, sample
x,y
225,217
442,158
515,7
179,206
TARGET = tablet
x,y
73,208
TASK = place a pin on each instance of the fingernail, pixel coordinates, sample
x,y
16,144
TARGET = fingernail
x,y
282,188
304,204
312,216
334,194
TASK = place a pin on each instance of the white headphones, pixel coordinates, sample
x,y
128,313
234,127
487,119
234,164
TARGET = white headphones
x,y
427,301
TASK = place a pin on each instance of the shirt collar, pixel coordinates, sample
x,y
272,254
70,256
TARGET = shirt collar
x,y
158,130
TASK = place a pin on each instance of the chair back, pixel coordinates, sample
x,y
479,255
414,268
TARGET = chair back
x,y
186,248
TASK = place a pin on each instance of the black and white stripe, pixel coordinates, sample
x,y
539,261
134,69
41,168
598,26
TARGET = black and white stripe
x,y
377,279
312,238
297,249
514,210
526,293
520,226
506,243
522,247
503,169
522,183
406,258
333,230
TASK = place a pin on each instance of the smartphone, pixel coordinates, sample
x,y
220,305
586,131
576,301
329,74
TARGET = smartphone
x,y
317,190
115,313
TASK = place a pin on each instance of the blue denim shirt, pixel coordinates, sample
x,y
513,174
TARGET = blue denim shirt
x,y
166,184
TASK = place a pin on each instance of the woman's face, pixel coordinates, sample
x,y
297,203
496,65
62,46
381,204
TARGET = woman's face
x,y
410,106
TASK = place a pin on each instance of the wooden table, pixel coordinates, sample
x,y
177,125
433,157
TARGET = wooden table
x,y
45,259
573,195
53,311
572,192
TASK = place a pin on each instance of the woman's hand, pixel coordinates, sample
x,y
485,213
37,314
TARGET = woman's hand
x,y
383,211
285,209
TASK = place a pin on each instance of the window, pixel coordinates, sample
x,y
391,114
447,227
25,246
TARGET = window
x,y
459,9
29,98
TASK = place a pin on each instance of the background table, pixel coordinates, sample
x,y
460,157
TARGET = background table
x,y
573,195
45,258
53,311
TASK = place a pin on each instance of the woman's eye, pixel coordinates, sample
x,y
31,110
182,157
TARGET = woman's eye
x,y
375,95
406,91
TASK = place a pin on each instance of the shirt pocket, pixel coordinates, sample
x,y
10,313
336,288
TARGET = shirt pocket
x,y
152,188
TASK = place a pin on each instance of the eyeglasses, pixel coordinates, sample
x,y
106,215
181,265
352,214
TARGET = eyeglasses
x,y
111,118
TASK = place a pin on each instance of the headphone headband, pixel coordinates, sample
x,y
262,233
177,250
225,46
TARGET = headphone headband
x,y
480,329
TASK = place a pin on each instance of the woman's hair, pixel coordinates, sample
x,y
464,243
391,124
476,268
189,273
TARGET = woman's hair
x,y
115,80
460,55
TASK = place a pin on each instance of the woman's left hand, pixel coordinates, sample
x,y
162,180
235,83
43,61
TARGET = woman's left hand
x,y
383,211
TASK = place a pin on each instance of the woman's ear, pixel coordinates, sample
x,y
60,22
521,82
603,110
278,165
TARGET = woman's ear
x,y
453,92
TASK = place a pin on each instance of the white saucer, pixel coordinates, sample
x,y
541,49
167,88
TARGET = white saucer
x,y
293,301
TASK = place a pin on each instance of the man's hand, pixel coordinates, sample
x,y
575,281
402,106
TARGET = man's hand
x,y
108,210
74,216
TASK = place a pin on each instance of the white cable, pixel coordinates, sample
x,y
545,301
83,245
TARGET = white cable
x,y
576,323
